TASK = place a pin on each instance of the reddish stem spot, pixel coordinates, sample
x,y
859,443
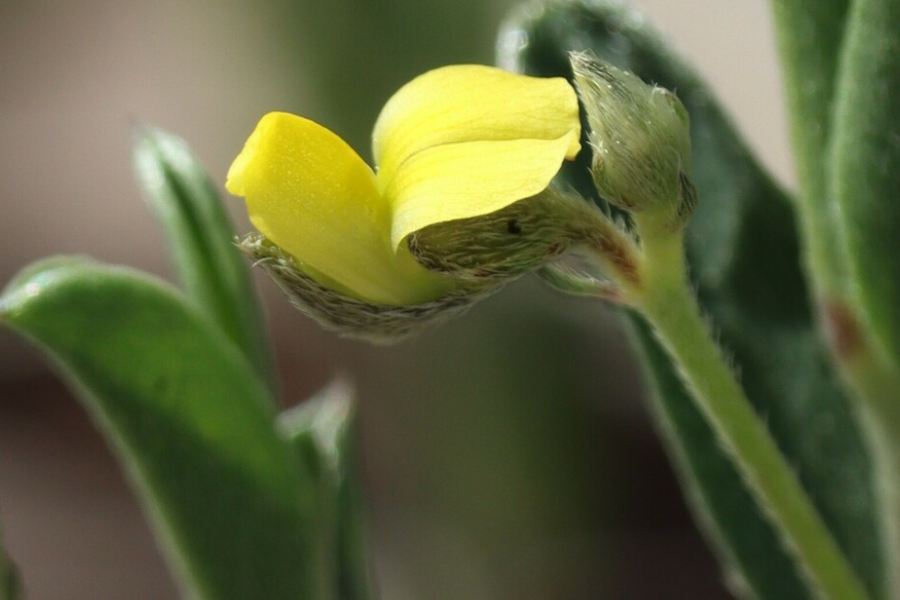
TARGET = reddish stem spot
x,y
841,329
619,256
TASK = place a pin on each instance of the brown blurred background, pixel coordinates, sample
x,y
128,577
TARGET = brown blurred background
x,y
508,455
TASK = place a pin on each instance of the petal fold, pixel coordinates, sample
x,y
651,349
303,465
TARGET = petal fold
x,y
467,103
470,179
308,192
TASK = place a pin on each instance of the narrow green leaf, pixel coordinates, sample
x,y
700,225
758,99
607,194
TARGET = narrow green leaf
x,y
213,273
188,418
743,251
323,431
810,38
865,165
841,130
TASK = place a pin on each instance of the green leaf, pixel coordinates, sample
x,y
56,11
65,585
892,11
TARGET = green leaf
x,y
865,165
10,585
743,251
213,273
810,38
187,417
323,431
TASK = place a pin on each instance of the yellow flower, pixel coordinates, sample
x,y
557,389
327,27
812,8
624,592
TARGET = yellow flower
x,y
455,143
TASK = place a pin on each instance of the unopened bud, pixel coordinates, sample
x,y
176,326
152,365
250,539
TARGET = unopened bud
x,y
640,137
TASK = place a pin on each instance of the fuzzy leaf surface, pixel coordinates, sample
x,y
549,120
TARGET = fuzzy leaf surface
x,y
188,418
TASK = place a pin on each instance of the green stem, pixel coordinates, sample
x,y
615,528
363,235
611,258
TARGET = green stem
x,y
665,299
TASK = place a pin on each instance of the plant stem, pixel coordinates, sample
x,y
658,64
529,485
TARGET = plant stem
x,y
667,302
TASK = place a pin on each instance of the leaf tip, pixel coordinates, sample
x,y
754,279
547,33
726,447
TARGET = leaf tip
x,y
31,281
158,153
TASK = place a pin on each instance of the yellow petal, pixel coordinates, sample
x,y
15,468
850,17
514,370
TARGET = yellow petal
x,y
466,103
470,179
312,195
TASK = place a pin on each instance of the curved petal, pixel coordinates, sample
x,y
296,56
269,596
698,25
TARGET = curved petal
x,y
311,194
470,179
466,103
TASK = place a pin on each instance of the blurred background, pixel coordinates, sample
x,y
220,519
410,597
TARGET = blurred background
x,y
507,455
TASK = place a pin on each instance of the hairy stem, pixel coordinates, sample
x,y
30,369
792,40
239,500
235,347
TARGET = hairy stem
x,y
667,302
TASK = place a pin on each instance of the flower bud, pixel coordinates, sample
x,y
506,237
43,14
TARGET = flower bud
x,y
640,137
